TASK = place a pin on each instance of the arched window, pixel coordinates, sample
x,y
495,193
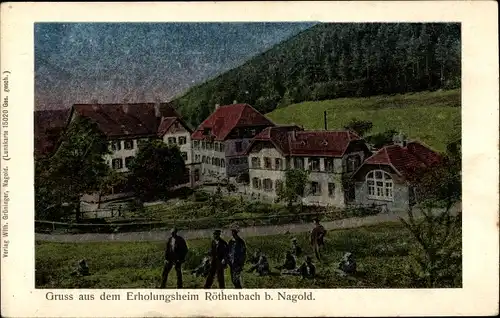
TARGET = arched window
x,y
379,184
223,163
203,159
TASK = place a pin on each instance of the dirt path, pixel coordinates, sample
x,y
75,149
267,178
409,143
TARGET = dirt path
x,y
206,233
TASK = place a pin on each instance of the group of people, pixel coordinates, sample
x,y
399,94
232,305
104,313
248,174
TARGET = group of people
x,y
232,254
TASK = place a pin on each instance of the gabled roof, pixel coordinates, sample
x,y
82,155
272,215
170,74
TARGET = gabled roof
x,y
226,118
292,141
126,120
48,128
404,160
167,122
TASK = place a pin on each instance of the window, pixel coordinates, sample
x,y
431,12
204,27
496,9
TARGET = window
x,y
255,183
196,174
206,131
298,163
203,159
279,185
331,189
255,162
379,185
210,145
217,162
314,164
171,140
203,145
268,185
239,146
128,161
278,164
212,161
267,163
329,164
196,144
253,132
353,163
184,155
128,144
182,140
315,188
222,163
222,147
117,163
244,160
116,145
141,142
216,146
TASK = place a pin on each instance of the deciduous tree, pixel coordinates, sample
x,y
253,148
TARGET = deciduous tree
x,y
156,169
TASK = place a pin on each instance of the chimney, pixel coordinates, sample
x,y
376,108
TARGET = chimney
x,y
217,106
326,125
235,102
157,109
125,108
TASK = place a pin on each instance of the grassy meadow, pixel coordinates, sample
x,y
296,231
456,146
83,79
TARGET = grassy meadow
x,y
431,117
382,252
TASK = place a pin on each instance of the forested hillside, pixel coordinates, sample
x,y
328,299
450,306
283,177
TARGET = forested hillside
x,y
336,60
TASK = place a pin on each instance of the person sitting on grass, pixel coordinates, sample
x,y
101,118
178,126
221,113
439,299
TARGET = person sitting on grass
x,y
307,269
254,259
262,266
204,267
82,269
289,264
347,265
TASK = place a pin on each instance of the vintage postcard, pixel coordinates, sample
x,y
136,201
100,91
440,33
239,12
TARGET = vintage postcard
x,y
249,159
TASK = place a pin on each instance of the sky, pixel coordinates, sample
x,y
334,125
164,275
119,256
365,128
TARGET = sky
x,y
141,62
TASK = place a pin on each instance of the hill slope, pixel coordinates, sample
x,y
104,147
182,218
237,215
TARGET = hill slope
x,y
333,60
431,117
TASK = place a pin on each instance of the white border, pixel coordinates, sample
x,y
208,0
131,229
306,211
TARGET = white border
x,y
479,295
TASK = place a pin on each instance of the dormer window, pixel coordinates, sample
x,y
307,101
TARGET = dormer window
x,y
206,131
324,143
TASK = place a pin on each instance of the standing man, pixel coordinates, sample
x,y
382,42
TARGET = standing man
x,y
218,261
237,257
317,238
175,254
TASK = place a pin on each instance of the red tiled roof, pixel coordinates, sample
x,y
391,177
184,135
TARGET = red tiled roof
x,y
123,120
226,118
296,142
404,160
48,127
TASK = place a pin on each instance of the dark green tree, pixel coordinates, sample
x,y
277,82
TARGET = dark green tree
x,y
361,127
77,167
156,169
293,188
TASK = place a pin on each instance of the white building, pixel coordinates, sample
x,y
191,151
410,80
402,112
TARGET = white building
x,y
220,142
327,156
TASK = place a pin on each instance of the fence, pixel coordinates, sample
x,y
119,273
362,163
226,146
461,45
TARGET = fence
x,y
202,223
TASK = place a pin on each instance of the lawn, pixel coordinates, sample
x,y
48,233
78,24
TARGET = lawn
x,y
430,117
382,253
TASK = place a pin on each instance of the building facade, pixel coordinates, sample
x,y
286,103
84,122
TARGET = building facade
x,y
383,178
327,156
220,142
